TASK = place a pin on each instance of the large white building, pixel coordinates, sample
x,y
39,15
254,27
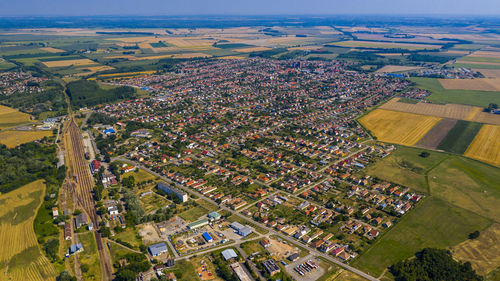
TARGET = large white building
x,y
171,189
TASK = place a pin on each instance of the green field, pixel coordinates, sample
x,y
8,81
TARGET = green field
x,y
129,236
460,136
477,66
468,184
441,95
433,223
89,258
462,196
193,213
405,167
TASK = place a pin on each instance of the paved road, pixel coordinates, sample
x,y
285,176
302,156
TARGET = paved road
x,y
272,231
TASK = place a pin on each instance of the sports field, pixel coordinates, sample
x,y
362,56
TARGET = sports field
x,y
486,145
21,257
10,117
15,138
482,252
398,127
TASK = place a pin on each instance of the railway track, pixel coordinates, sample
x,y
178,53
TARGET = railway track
x,y
83,190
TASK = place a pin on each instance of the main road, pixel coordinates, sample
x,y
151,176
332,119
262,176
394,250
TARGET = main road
x,y
271,230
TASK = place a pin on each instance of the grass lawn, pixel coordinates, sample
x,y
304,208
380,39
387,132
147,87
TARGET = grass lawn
x,y
207,205
141,175
130,236
468,184
433,223
117,251
184,271
460,136
406,167
441,95
89,257
193,213
253,246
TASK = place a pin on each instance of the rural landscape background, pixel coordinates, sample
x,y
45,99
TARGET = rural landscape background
x,y
358,146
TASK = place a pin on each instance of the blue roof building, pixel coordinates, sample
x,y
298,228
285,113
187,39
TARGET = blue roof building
x,y
207,237
109,131
158,249
75,248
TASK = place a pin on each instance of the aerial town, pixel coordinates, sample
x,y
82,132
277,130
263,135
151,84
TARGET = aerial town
x,y
317,149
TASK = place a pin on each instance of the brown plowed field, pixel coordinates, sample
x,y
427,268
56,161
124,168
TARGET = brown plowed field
x,y
437,133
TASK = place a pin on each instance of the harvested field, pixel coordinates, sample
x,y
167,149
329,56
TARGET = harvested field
x,y
253,49
52,50
20,258
398,127
466,61
485,54
93,69
437,133
15,138
452,111
397,68
385,45
486,145
479,84
489,73
482,252
62,63
10,117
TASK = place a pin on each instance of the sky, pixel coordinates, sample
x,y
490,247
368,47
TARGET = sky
x,y
245,7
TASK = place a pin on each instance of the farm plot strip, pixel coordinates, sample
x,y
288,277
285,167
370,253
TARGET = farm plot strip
x,y
398,127
459,137
434,137
486,145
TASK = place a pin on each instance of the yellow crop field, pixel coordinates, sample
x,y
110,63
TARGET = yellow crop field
x,y
10,117
482,252
15,138
93,69
398,127
17,236
253,49
52,50
486,145
61,63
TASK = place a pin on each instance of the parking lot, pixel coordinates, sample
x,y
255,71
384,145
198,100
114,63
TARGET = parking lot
x,y
311,275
